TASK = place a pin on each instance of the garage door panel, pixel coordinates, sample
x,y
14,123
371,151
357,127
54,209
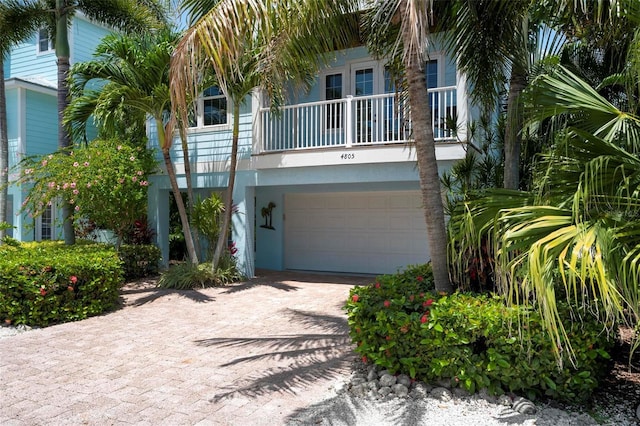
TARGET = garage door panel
x,y
367,232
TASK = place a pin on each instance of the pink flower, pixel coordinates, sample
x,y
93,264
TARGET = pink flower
x,y
86,164
355,298
119,147
144,183
72,184
132,158
89,185
44,163
43,292
139,172
75,192
424,319
65,186
134,179
377,285
120,180
73,279
76,164
77,208
429,302
52,185
420,278
72,201
386,303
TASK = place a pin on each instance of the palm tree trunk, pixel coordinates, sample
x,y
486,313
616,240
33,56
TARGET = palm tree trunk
x,y
228,204
4,153
513,135
62,55
193,257
427,166
187,176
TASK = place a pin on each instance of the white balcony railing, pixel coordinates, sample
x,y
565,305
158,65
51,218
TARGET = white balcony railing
x,y
353,121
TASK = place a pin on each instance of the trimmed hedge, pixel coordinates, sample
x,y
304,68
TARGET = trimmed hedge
x,y
49,283
139,260
471,340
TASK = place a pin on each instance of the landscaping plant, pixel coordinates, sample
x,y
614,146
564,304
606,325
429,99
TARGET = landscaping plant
x,y
106,182
49,283
474,341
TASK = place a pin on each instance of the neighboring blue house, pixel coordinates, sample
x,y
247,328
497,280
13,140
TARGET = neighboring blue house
x,y
331,184
31,82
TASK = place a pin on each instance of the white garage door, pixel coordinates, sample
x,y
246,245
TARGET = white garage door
x,y
361,232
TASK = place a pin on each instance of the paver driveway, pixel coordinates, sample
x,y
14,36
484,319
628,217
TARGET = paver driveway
x,y
247,354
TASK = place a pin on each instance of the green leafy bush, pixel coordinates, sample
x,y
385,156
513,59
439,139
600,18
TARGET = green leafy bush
x,y
188,276
472,340
49,283
139,260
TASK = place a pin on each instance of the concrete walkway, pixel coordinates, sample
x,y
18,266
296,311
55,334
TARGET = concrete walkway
x,y
248,354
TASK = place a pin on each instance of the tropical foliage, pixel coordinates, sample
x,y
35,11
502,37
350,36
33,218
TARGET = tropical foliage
x,y
49,283
400,324
576,236
267,45
106,183
130,73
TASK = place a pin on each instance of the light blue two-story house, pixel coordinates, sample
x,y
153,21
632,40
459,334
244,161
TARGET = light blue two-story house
x,y
32,119
330,184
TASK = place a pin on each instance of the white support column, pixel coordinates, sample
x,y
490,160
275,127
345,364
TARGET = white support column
x,y
348,119
462,101
257,136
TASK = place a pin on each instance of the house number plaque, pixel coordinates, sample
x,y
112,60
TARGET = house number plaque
x,y
349,156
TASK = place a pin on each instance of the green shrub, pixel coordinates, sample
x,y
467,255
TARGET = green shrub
x,y
139,260
188,276
49,283
471,340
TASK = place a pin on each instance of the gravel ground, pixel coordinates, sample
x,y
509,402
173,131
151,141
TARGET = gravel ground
x,y
342,407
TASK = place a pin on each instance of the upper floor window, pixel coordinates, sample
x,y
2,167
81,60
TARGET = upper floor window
x,y
45,44
211,109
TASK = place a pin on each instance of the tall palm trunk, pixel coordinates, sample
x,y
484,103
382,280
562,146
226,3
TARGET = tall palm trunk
x,y
427,165
228,203
187,176
513,136
64,141
182,212
4,152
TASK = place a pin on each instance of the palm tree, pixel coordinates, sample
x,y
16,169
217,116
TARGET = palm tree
x,y
131,16
579,230
18,20
248,45
400,29
136,72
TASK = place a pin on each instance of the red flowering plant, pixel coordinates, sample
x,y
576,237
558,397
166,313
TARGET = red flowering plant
x,y
399,323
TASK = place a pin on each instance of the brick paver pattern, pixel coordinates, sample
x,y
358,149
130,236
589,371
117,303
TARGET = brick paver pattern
x,y
252,353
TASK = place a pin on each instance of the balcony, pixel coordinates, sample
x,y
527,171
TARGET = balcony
x,y
353,122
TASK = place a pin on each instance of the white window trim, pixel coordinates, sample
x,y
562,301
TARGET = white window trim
x,y
200,127
38,225
323,94
439,57
43,52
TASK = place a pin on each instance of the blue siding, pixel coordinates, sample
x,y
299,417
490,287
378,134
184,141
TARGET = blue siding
x,y
85,36
213,144
41,123
27,62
